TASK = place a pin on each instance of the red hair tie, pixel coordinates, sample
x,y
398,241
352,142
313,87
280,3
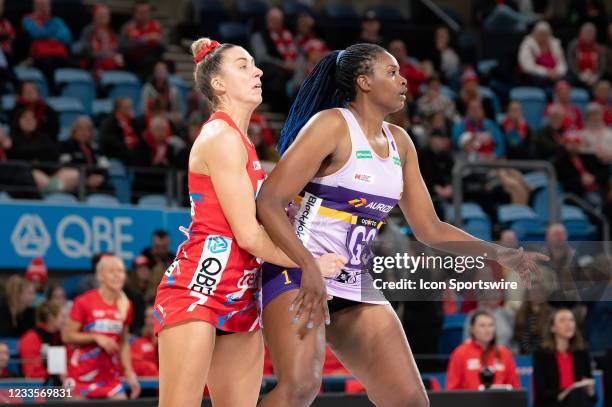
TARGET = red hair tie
x,y
205,50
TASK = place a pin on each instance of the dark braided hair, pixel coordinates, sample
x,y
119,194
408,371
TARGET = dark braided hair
x,y
330,84
207,68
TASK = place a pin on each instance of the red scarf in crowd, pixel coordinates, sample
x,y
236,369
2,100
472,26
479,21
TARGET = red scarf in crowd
x,y
6,30
579,165
46,47
38,107
487,144
158,149
587,57
129,135
284,44
521,129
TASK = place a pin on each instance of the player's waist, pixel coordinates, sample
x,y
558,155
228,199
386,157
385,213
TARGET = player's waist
x,y
303,214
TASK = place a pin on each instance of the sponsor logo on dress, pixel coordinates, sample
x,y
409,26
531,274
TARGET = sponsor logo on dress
x,y
217,244
256,165
362,154
368,179
397,161
356,203
381,207
305,215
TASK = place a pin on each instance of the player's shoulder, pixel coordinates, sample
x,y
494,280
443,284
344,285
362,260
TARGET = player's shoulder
x,y
218,134
88,297
403,140
328,118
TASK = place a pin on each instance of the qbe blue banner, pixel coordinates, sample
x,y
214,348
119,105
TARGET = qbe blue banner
x,y
66,236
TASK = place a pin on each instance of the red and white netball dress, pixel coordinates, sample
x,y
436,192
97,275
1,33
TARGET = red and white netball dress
x,y
212,279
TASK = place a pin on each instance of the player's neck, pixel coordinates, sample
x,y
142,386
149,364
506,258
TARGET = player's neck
x,y
241,115
107,295
369,118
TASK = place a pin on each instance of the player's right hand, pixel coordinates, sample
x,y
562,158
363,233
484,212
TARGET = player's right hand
x,y
310,305
106,343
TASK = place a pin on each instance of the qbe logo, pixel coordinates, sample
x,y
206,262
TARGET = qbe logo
x,y
217,244
30,237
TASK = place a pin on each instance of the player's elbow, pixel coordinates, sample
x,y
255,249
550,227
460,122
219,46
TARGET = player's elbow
x,y
247,239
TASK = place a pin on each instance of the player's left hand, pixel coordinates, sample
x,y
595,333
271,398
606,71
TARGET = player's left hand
x,y
134,384
524,263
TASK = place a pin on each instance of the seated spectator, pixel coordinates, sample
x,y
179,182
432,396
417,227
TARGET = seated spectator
x,y
29,98
57,296
585,57
478,136
596,136
304,31
4,361
562,361
37,274
16,307
581,174
141,41
275,53
517,133
80,150
144,348
262,137
7,34
99,45
541,57
563,96
157,151
32,345
414,74
444,58
50,39
158,94
601,95
120,133
159,252
16,178
547,141
314,50
470,91
532,315
135,288
478,354
97,331
30,144
436,163
433,101
370,29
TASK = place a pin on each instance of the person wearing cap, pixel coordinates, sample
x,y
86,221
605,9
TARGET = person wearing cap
x,y
580,174
37,274
563,96
470,90
541,57
370,29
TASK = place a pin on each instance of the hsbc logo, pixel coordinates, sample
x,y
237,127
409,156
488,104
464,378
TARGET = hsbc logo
x,y
30,237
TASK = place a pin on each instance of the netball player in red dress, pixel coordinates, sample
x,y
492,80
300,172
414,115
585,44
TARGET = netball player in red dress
x,y
206,310
97,329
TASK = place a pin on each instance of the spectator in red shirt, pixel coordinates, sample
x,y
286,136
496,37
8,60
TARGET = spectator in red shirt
x,y
541,56
142,40
144,348
32,345
99,45
414,74
585,57
563,96
469,360
562,361
601,95
50,39
7,34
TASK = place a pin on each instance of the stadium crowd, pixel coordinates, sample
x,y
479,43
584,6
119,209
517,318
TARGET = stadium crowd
x,y
458,108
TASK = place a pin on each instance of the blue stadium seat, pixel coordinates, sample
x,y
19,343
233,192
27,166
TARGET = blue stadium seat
x,y
536,179
68,110
152,201
479,228
580,97
452,333
293,8
102,200
119,179
469,211
4,196
122,84
8,103
512,212
529,229
234,32
486,65
33,75
533,101
102,107
60,198
70,285
340,11
77,83
577,223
